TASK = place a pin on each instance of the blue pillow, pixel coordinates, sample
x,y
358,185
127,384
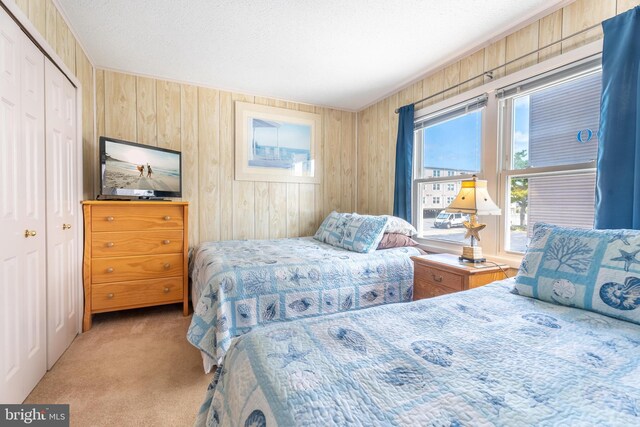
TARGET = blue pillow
x,y
328,232
357,233
596,270
363,233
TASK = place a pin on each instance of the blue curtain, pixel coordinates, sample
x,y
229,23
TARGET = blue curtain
x,y
404,164
618,180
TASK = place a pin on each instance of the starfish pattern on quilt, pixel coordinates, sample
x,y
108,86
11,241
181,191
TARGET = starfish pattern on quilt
x,y
292,355
628,258
622,236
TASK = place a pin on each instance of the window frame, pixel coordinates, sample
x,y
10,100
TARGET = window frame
x,y
442,178
492,152
505,142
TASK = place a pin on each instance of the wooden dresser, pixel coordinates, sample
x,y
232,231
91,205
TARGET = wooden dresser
x,y
441,274
135,255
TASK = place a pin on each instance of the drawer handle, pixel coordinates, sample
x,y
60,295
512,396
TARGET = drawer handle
x,y
110,270
166,290
109,218
109,244
166,242
167,266
436,278
167,218
110,296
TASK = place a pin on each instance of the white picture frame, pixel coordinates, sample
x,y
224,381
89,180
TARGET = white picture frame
x,y
277,145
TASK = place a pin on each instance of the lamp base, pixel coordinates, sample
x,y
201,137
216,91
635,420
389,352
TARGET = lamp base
x,y
472,254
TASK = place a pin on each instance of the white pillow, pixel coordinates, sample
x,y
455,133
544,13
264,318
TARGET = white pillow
x,y
399,226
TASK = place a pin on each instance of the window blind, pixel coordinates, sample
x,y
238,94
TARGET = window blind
x,y
570,71
451,112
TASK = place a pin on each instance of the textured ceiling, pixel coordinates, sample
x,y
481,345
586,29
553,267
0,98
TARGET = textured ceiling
x,y
340,53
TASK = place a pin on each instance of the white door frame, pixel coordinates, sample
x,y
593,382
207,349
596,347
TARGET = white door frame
x,y
23,21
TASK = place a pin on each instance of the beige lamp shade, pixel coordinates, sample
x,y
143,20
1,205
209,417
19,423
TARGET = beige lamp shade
x,y
473,198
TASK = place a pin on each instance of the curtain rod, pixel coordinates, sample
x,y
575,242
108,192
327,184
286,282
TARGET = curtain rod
x,y
489,73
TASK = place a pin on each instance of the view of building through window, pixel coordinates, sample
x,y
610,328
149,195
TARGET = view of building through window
x,y
450,148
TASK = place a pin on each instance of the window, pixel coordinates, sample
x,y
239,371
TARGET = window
x,y
448,140
549,131
538,139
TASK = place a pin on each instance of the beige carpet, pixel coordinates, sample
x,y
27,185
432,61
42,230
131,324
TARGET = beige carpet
x,y
133,368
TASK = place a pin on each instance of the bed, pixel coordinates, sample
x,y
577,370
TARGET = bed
x,y
480,357
238,285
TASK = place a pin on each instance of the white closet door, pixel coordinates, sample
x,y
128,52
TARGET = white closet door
x,y
22,208
63,263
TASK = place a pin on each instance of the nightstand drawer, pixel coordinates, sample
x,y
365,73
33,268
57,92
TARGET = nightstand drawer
x,y
438,277
429,290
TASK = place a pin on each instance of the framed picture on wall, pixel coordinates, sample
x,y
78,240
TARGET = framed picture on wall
x,y
277,145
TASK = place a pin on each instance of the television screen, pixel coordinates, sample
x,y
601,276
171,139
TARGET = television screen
x,y
136,170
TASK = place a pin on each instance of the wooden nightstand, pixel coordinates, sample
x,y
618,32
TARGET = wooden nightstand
x,y
441,274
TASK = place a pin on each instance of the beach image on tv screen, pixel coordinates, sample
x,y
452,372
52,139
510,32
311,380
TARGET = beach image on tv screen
x,y
136,168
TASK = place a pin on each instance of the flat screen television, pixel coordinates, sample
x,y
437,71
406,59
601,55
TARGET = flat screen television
x,y
138,171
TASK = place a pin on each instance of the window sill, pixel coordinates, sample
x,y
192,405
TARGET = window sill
x,y
513,260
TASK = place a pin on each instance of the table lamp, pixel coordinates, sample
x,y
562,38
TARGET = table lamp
x,y
473,199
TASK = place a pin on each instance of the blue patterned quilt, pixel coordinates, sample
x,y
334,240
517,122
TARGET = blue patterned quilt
x,y
239,285
481,357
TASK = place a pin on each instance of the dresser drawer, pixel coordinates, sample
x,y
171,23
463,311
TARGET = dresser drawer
x,y
439,277
429,290
110,244
136,267
137,218
108,296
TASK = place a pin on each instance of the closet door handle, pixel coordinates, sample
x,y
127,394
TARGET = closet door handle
x,y
30,233
110,270
66,226
110,218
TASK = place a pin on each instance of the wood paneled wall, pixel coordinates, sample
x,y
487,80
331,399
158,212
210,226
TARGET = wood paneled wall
x,y
378,124
200,122
44,15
